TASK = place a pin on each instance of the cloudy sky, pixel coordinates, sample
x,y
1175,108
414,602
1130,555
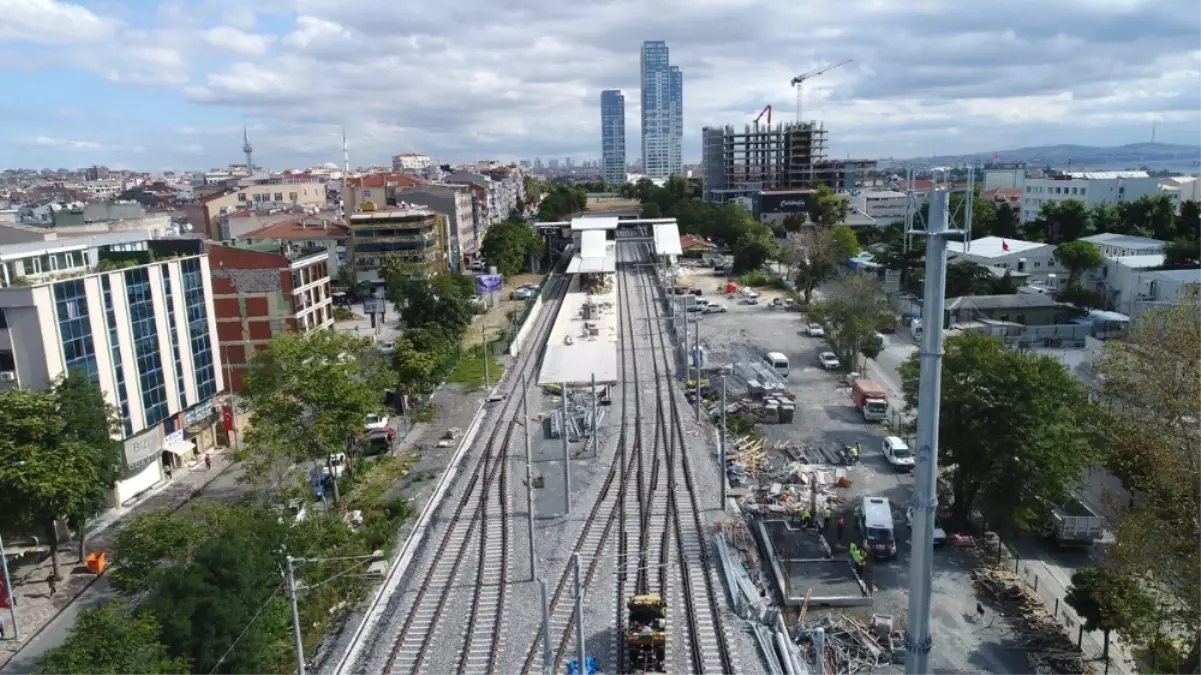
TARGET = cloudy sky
x,y
169,84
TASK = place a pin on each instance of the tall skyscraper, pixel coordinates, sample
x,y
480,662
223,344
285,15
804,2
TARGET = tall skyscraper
x,y
662,112
613,136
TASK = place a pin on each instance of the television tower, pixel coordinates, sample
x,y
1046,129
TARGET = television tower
x,y
345,177
248,150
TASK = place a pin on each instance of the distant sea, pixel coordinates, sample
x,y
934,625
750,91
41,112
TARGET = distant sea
x,y
1175,166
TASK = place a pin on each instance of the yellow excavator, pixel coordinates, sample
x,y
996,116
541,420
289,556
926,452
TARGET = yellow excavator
x,y
646,634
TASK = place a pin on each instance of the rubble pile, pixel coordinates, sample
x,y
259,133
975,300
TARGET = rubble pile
x,y
769,403
1050,648
793,487
850,645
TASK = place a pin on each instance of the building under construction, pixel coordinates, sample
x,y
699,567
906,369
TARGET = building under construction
x,y
784,156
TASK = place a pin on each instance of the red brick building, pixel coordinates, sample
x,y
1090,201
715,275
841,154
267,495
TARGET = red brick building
x,y
262,290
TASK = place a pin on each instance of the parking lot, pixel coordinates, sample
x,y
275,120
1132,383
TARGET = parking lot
x,y
826,417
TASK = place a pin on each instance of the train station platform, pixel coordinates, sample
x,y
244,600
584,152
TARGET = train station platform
x,y
583,341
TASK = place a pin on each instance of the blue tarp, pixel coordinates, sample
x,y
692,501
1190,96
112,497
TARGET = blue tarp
x,y
590,662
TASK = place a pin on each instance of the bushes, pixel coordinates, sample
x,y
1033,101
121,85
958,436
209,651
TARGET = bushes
x,y
754,278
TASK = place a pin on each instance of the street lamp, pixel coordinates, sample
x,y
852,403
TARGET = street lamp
x,y
8,582
293,589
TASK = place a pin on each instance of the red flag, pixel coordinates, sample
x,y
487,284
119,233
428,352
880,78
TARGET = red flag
x,y
1005,246
3,594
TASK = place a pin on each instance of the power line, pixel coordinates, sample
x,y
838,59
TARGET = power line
x,y
243,633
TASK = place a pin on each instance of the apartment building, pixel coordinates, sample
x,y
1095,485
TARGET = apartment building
x,y
306,233
662,112
410,161
203,214
883,206
1033,258
262,289
1004,195
378,188
456,203
613,136
413,237
1090,187
136,316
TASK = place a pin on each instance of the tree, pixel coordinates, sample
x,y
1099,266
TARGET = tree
x,y
438,301
508,245
1182,254
1151,396
1078,257
823,251
1106,218
1008,419
423,358
57,476
753,249
112,639
827,208
562,199
309,395
1007,222
1108,600
1059,221
1080,297
1153,217
1188,222
968,278
90,420
651,210
793,222
853,317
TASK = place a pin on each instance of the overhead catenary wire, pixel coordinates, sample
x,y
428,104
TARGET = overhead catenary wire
x,y
247,628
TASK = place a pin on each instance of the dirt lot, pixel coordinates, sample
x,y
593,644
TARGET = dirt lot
x,y
496,318
826,417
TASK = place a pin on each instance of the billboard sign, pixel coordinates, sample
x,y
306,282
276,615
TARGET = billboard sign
x,y
783,202
375,306
143,449
489,283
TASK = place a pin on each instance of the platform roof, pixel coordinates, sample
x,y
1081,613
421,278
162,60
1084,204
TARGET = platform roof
x,y
582,265
586,356
667,239
593,223
592,244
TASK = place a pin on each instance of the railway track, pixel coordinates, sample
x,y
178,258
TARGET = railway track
x,y
477,530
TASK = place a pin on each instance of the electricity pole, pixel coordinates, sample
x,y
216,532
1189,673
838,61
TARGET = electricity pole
x,y
529,476
484,342
722,449
924,500
291,562
566,453
579,612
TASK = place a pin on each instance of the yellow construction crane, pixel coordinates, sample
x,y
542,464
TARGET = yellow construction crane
x,y
799,82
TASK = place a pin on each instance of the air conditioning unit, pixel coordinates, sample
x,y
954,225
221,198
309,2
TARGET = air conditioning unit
x,y
8,376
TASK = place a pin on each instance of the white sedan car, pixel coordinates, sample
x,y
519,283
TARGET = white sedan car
x,y
714,308
815,330
828,360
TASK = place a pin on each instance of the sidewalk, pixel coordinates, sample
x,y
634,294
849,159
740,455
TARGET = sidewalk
x,y
36,610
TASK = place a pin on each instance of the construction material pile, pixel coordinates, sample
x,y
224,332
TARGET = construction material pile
x,y
744,455
769,403
850,645
1050,648
579,423
793,487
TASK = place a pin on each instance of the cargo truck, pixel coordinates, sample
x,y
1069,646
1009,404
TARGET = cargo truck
x,y
1075,524
871,399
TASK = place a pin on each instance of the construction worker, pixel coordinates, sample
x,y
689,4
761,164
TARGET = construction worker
x,y
806,516
854,552
827,518
854,452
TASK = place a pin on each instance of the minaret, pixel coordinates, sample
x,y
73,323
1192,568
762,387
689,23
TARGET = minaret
x,y
248,150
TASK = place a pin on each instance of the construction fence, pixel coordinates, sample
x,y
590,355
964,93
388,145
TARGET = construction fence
x,y
1035,576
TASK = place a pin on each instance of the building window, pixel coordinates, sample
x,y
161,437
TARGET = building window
x,y
118,368
279,196
198,330
292,197
74,328
241,196
179,382
145,343
1037,264
366,194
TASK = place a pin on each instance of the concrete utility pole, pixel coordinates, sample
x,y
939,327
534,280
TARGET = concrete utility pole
x,y
546,665
595,441
696,348
579,612
722,449
484,341
924,501
566,453
295,615
529,476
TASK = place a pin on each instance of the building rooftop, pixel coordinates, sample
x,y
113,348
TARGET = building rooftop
x,y
995,247
667,239
1014,301
387,212
27,249
881,194
1181,276
379,180
1124,240
1140,262
694,241
593,223
1106,175
300,228
1001,192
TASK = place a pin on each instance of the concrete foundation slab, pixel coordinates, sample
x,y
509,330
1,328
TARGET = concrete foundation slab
x,y
801,562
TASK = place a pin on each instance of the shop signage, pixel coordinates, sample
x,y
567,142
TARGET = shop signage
x,y
227,417
143,449
782,203
173,437
197,414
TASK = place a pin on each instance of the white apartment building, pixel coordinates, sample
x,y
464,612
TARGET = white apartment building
x,y
1090,187
410,161
1181,189
884,206
1114,245
136,316
1028,257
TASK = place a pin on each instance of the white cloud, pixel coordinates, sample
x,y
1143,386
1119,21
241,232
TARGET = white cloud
x,y
51,22
63,143
509,78
233,40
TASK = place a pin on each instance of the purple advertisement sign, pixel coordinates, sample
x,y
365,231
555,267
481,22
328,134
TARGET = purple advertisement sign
x,y
489,283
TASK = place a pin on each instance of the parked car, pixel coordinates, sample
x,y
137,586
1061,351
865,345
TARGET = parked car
x,y
940,535
695,308
898,454
815,330
387,347
714,308
376,423
523,293
828,360
696,291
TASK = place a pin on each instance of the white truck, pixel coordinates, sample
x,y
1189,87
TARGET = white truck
x,y
1075,524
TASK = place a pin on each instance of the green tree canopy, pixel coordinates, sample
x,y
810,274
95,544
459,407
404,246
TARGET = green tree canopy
x,y
508,246
1078,257
853,317
561,200
308,396
1006,224
112,640
1183,253
90,420
1059,221
1108,600
1008,419
438,301
1152,400
828,208
57,476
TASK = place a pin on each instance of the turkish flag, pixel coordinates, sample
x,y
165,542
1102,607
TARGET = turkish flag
x,y
1005,246
3,594
227,417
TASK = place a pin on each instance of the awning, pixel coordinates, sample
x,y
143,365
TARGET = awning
x,y
180,447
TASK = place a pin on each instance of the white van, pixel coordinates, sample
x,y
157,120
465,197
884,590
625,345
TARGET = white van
x,y
915,329
875,522
777,362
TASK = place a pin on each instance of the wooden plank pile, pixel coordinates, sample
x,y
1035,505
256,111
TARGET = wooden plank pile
x,y
1050,649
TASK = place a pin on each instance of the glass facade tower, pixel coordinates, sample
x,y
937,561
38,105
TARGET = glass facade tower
x,y
613,136
662,112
